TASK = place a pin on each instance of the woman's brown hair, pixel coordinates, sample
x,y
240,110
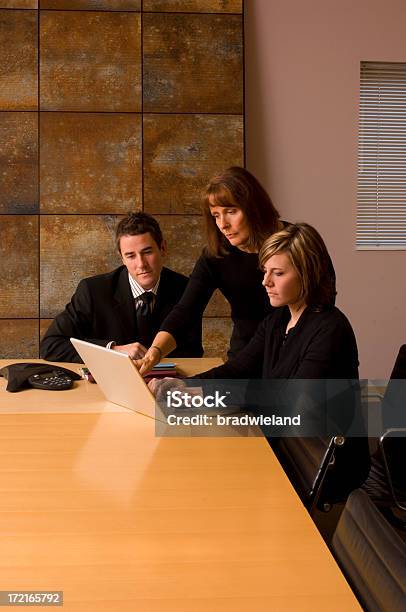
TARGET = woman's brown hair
x,y
310,258
238,187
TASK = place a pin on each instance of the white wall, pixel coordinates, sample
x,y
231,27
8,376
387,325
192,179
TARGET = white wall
x,y
302,94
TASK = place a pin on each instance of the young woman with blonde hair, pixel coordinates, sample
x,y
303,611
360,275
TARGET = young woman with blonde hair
x,y
305,336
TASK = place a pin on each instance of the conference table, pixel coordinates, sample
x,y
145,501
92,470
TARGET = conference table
x,y
94,504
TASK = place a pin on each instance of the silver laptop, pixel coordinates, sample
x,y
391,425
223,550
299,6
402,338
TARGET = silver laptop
x,y
117,377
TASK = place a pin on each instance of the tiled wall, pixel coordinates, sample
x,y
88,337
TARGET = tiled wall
x,y
108,106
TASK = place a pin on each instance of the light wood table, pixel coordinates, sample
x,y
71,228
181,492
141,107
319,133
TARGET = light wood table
x,y
94,504
89,399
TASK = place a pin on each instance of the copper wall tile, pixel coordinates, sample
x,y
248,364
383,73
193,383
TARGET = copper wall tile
x,y
19,162
193,6
90,163
216,337
43,326
184,236
90,61
192,63
18,266
181,154
218,306
18,338
92,5
71,248
19,4
18,66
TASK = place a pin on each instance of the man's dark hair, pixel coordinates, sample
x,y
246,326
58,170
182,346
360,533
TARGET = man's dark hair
x,y
137,223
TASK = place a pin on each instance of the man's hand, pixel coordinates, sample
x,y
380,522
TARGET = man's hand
x,y
151,357
135,350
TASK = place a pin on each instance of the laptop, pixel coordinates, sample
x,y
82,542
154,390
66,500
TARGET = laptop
x,y
117,377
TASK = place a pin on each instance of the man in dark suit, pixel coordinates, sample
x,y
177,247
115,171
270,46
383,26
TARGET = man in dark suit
x,y
123,309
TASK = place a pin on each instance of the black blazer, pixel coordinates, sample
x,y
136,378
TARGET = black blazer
x,y
102,309
321,345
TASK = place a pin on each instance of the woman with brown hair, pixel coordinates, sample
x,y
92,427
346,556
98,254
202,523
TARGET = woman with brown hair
x,y
239,215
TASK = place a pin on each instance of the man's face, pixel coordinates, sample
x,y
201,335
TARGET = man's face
x,y
143,258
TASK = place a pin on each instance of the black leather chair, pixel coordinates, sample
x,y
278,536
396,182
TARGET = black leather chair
x,y
325,467
393,450
399,369
386,481
371,555
323,471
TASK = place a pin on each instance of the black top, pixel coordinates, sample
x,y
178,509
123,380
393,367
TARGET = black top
x,y
321,345
103,309
238,277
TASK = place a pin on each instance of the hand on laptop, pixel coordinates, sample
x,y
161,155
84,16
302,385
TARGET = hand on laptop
x,y
135,350
160,386
148,360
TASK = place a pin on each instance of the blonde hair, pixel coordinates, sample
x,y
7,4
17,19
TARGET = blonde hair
x,y
310,258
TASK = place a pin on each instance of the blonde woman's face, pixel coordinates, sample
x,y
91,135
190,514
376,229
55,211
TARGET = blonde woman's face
x,y
232,223
281,281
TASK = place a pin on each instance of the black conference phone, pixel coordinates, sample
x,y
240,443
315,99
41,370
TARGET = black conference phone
x,y
38,375
57,380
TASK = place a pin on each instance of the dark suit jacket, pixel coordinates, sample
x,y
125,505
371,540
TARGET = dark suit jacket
x,y
102,309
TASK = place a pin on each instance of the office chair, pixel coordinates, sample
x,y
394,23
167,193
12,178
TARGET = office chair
x,y
371,555
386,481
399,369
325,467
323,470
393,449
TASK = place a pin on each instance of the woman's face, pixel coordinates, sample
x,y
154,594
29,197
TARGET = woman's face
x,y
232,223
281,281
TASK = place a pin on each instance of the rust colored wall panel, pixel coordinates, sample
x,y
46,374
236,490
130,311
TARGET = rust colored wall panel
x,y
184,235
90,163
18,338
43,326
18,266
91,160
182,152
18,66
193,6
216,337
90,61
92,5
218,306
73,247
193,63
19,4
19,162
